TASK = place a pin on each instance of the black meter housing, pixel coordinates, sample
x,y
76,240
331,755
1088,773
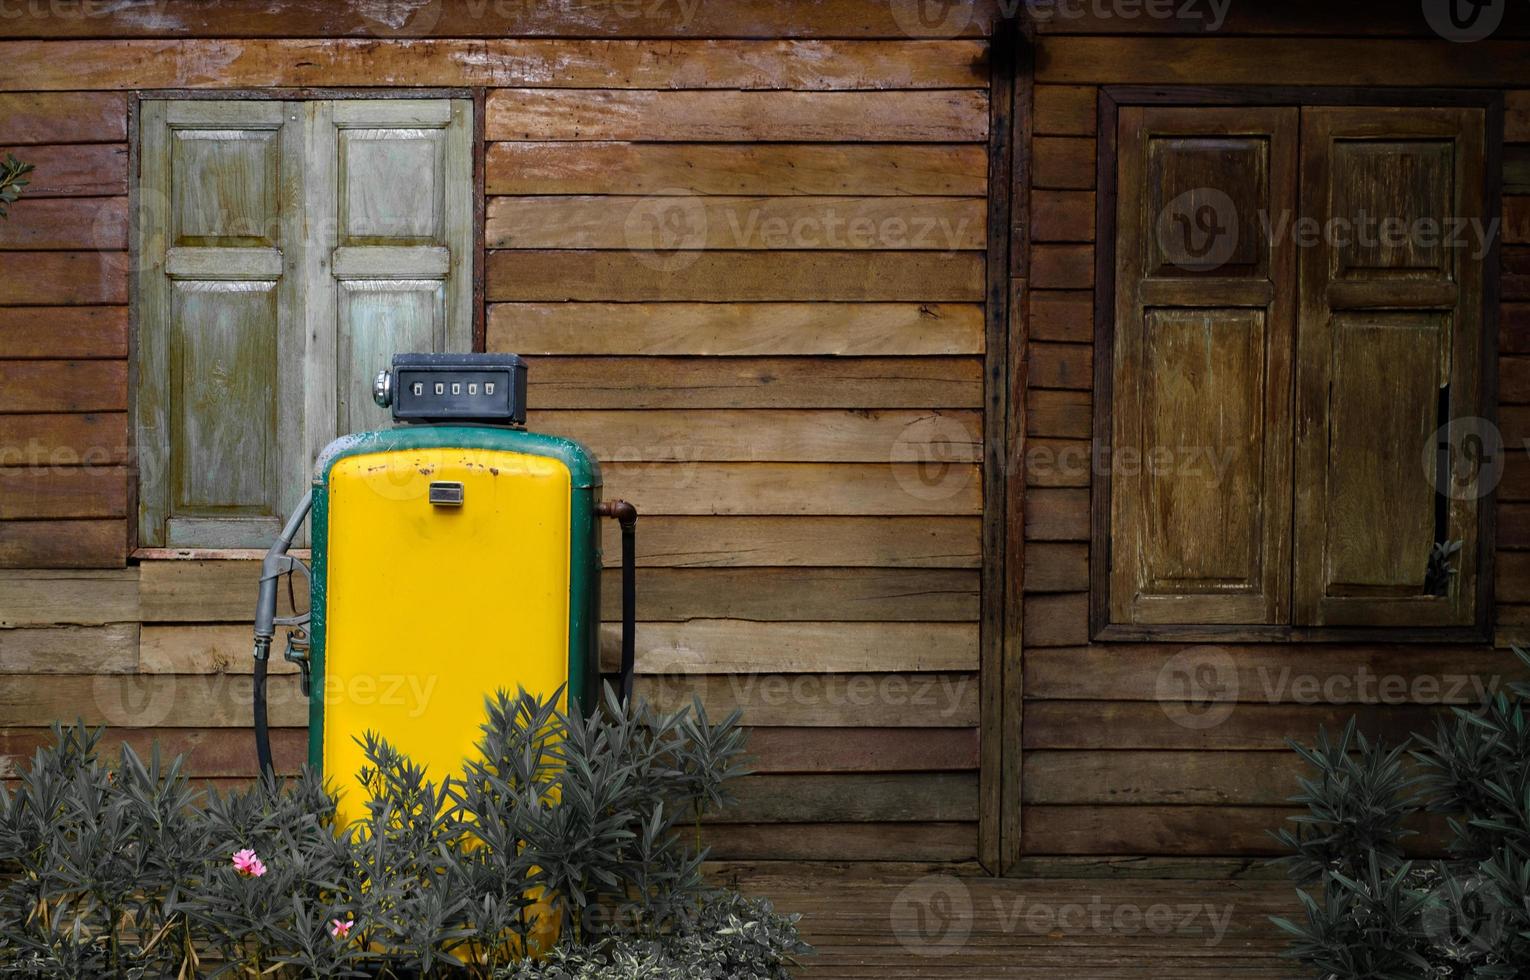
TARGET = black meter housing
x,y
435,388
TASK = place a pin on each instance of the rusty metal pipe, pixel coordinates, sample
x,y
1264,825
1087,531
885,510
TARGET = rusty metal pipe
x,y
626,516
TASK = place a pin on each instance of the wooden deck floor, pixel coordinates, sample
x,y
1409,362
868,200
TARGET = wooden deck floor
x,y
905,921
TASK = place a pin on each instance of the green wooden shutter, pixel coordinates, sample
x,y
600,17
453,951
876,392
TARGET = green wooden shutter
x,y
287,250
1389,352
1200,424
220,334
393,179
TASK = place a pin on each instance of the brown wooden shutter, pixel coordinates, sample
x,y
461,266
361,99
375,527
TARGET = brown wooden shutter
x,y
1200,468
1388,353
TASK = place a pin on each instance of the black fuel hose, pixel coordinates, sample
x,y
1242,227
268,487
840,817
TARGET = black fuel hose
x,y
276,564
262,733
626,516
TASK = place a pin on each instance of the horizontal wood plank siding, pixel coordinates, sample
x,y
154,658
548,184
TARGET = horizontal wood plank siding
x,y
1180,749
791,391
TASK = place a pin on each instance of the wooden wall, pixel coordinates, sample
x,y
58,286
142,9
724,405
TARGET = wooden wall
x,y
765,395
1108,768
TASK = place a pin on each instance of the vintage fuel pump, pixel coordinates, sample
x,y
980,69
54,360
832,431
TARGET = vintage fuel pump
x,y
453,555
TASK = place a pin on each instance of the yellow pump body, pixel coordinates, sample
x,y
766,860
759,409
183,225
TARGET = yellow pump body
x,y
450,562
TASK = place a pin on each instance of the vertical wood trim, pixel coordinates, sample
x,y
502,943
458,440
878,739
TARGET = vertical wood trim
x,y
320,304
1018,358
1487,514
1104,359
480,248
993,749
135,294
462,322
151,418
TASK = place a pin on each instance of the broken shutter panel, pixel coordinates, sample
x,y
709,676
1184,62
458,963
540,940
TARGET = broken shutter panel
x,y
1389,353
395,178
1200,468
217,421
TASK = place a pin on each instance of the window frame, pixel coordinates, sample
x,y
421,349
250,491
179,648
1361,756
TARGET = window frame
x,y
477,254
1111,100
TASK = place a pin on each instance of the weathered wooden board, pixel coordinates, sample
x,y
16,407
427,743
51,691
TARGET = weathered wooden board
x,y
769,435
203,649
1057,514
1052,567
797,488
1063,315
1516,123
33,597
842,842
946,116
65,223
63,386
37,492
496,62
851,798
736,168
788,594
1064,110
1191,830
64,278
1158,778
827,700
731,646
1060,414
1058,462
146,700
944,224
757,382
862,750
1272,674
876,542
63,544
1213,726
94,439
1516,220
184,591
1062,266
1062,366
1292,17
1293,61
1062,163
230,752
64,331
62,117
1060,620
734,329
70,649
641,275
559,18
209,752
78,170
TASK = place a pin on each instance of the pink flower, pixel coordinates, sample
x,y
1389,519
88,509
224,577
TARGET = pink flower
x,y
340,930
246,863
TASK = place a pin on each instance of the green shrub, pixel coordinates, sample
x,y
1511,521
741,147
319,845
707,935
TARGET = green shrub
x,y
1370,913
579,828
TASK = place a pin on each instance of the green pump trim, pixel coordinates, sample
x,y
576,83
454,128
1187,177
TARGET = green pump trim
x,y
584,584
